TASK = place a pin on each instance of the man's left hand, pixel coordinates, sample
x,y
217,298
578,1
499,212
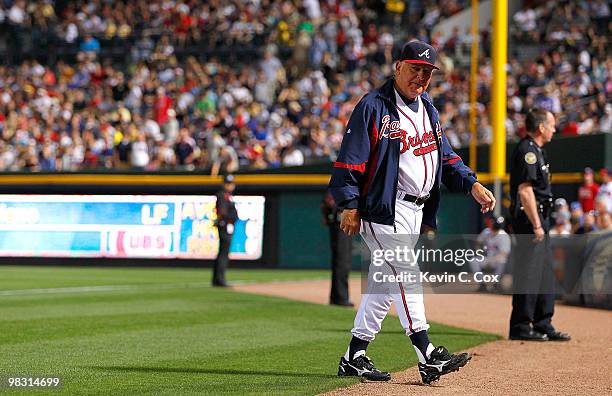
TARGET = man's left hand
x,y
484,197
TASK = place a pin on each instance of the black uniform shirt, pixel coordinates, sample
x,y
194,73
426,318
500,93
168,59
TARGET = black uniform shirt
x,y
529,164
226,209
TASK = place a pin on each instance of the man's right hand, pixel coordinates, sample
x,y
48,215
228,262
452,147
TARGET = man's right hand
x,y
539,234
350,221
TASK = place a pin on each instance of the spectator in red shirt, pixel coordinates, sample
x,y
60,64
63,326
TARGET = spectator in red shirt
x,y
588,191
163,103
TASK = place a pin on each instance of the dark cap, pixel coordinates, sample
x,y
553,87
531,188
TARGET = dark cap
x,y
499,223
419,52
228,179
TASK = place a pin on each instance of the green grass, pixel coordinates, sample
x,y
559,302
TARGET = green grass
x,y
162,335
16,277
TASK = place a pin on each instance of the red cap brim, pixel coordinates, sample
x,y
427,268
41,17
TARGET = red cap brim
x,y
421,63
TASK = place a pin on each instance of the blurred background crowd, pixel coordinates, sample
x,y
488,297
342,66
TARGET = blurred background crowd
x,y
222,86
591,212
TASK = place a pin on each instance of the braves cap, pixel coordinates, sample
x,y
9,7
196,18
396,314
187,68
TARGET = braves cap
x,y
418,52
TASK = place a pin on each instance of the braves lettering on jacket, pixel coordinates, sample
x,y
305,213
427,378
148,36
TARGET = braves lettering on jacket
x,y
366,172
393,131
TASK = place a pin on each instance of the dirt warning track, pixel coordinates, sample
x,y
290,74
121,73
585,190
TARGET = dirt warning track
x,y
581,366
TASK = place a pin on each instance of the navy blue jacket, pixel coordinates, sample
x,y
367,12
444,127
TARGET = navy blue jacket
x,y
365,175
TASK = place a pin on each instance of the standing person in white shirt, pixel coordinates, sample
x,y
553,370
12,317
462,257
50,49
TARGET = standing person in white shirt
x,y
605,189
140,152
498,245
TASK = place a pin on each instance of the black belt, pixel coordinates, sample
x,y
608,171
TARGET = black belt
x,y
415,200
544,207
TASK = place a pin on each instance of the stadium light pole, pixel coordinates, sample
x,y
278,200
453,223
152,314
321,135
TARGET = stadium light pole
x,y
498,101
473,86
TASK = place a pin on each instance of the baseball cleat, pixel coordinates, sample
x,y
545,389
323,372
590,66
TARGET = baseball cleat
x,y
441,362
530,335
362,367
558,336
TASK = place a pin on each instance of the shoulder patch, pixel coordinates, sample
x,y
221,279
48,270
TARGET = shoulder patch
x,y
531,158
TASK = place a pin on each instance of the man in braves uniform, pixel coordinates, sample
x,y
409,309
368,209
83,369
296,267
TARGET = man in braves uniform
x,y
387,178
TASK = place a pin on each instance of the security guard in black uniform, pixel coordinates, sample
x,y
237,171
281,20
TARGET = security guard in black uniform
x,y
226,217
341,249
532,200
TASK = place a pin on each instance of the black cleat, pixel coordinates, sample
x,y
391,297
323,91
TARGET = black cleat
x,y
342,303
441,362
363,367
558,336
531,335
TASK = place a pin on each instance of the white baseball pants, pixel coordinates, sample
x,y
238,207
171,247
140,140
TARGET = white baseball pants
x,y
378,297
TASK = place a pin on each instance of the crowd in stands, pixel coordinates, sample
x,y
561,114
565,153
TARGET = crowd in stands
x,y
140,25
571,77
160,108
591,212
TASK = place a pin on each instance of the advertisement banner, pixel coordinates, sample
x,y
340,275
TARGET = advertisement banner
x,y
147,226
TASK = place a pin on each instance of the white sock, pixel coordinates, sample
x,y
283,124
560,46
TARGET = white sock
x,y
357,354
423,359
419,355
430,349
